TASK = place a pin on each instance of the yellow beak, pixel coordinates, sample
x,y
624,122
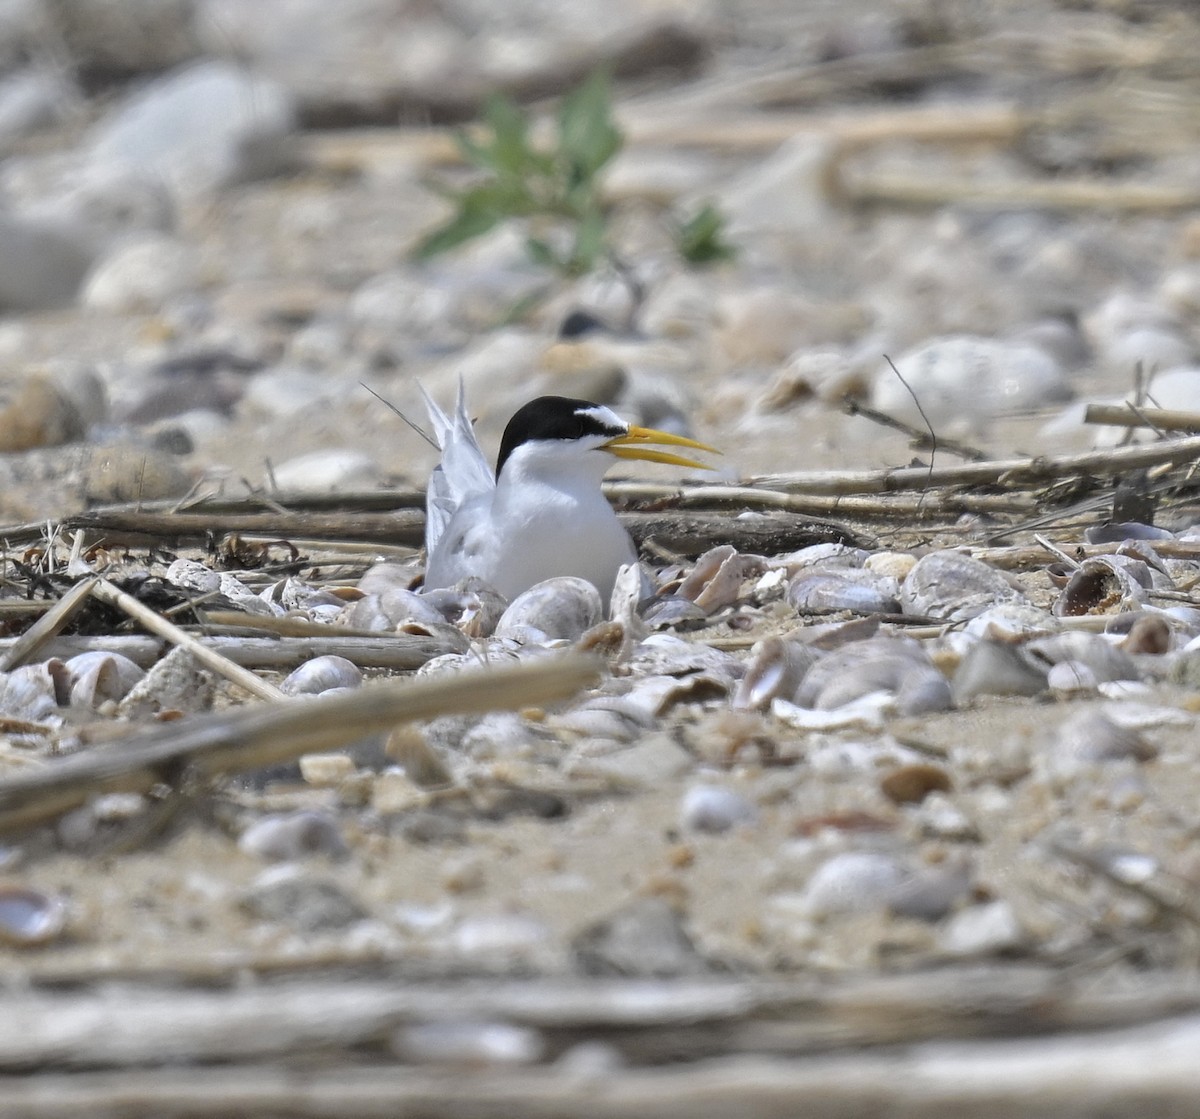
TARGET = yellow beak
x,y
636,443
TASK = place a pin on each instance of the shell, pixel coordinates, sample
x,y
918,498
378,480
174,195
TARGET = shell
x,y
775,670
666,610
834,589
29,916
888,664
96,677
383,612
714,809
1104,660
954,587
293,835
558,609
1150,634
1012,619
1102,585
1091,736
322,674
998,668
717,578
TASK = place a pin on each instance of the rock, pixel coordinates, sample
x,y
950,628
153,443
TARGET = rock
x,y
327,471
282,392
645,938
964,381
42,263
288,896
983,930
199,128
711,808
141,276
289,836
29,100
113,39
852,882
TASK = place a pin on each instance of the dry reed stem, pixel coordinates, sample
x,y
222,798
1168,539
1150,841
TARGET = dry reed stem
x,y
267,734
209,657
1131,415
34,640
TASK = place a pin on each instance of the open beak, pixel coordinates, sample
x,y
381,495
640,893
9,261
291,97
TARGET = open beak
x,y
638,442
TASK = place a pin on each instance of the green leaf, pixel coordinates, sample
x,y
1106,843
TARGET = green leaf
x,y
509,152
699,240
589,242
478,213
588,138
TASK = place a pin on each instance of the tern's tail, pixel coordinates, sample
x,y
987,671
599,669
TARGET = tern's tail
x,y
463,471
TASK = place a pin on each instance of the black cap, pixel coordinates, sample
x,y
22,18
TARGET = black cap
x,y
550,418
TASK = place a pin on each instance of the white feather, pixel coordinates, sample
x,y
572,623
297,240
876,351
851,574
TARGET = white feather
x,y
463,472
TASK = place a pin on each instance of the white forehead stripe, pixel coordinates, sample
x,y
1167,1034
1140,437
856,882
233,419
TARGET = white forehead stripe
x,y
605,417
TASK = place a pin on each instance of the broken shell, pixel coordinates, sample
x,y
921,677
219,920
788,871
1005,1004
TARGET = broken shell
x,y
886,664
293,835
322,674
1102,585
911,784
998,668
775,670
29,917
1104,660
1012,619
96,677
1091,736
717,578
668,610
560,609
954,587
833,589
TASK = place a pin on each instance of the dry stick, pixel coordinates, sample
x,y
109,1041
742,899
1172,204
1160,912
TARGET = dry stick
x,y
1056,551
1008,472
399,652
26,647
879,187
919,438
1019,556
266,734
156,623
1130,415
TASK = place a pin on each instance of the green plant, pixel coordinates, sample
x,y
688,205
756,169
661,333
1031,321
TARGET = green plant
x,y
557,188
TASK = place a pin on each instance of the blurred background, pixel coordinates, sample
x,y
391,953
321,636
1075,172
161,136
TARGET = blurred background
x,y
219,219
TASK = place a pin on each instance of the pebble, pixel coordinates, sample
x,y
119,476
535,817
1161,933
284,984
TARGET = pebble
x,y
852,882
42,263
645,938
715,809
286,895
327,471
294,835
200,127
982,930
326,771
473,1044
30,917
140,277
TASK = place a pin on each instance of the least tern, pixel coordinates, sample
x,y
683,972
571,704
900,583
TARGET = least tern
x,y
543,513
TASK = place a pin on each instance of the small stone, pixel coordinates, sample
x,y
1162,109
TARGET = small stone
x,y
141,276
326,771
327,471
911,784
473,1044
293,835
306,904
983,930
645,938
852,882
711,808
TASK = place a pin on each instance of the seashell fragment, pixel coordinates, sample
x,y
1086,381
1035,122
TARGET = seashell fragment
x,y
1101,585
834,589
852,882
95,677
29,917
1091,736
1149,635
717,578
998,668
559,609
954,587
711,808
294,835
1104,660
887,664
322,674
775,670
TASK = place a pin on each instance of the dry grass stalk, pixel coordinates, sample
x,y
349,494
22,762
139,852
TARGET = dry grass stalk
x,y
1132,415
266,734
209,657
33,641
398,652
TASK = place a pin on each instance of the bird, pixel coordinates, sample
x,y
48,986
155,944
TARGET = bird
x,y
542,514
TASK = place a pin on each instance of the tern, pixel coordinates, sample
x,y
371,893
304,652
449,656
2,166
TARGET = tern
x,y
542,514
